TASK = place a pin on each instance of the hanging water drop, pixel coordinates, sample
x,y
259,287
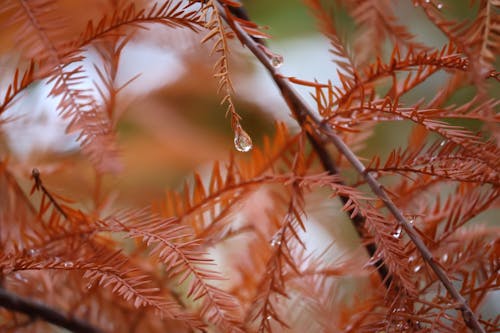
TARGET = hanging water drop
x,y
277,60
242,141
397,234
439,6
417,268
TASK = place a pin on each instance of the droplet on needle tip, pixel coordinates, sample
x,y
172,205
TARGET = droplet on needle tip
x,y
242,141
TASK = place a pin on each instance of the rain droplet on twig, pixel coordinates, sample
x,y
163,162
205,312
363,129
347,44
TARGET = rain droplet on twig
x,y
277,60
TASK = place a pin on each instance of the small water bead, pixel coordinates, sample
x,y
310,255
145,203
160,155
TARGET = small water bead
x,y
444,258
277,60
33,252
276,240
417,268
397,234
439,6
68,264
242,141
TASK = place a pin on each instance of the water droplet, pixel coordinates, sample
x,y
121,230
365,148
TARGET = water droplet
x,y
68,264
442,143
276,241
90,286
397,234
411,259
417,268
277,60
242,141
439,6
427,1
33,252
445,257
268,318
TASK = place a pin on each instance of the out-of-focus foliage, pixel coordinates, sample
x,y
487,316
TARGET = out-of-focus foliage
x,y
123,202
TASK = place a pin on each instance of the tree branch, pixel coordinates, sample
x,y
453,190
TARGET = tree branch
x,y
41,311
309,121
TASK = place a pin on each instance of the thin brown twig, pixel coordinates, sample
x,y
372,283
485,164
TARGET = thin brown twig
x,y
35,309
310,121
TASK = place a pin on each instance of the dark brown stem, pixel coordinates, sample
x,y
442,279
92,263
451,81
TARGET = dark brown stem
x,y
39,186
37,310
310,121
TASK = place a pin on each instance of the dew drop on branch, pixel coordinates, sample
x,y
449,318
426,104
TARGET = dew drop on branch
x,y
277,60
439,6
397,234
68,264
242,141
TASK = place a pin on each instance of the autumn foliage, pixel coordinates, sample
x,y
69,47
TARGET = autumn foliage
x,y
305,229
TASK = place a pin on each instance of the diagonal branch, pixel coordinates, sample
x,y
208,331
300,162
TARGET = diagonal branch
x,y
309,121
35,309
